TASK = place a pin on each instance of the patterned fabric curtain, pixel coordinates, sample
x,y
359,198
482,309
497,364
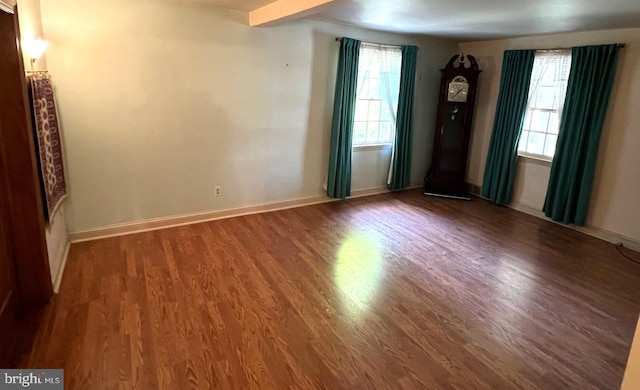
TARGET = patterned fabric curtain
x,y
590,81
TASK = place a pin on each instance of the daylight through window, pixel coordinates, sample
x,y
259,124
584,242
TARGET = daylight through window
x,y
547,91
377,94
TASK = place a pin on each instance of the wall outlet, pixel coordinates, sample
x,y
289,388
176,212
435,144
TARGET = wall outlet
x,y
217,190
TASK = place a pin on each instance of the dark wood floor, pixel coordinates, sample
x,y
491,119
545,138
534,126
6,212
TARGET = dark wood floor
x,y
396,291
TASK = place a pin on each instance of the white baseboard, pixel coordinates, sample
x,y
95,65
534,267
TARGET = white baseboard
x,y
525,208
62,261
606,235
589,230
187,219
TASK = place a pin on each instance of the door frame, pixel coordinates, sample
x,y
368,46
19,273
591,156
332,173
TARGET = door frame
x,y
23,210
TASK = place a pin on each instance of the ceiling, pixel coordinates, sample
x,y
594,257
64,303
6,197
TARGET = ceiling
x,y
241,5
474,19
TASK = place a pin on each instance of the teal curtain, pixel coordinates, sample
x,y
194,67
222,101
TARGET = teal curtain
x,y
344,107
400,170
502,159
590,80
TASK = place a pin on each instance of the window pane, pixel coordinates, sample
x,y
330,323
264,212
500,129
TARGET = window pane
x,y
359,132
539,121
385,132
550,145
385,115
362,108
545,97
554,123
547,78
522,145
535,143
372,131
363,89
527,120
374,88
374,110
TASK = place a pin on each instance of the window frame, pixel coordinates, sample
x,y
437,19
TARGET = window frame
x,y
543,159
377,144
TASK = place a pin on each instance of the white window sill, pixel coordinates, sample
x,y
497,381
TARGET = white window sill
x,y
364,148
535,159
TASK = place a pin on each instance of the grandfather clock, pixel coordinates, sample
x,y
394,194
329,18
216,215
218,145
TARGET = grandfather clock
x,y
448,171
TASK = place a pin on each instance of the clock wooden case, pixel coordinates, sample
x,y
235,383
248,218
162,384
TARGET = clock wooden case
x,y
448,171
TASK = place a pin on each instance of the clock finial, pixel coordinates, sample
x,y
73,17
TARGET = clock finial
x,y
459,61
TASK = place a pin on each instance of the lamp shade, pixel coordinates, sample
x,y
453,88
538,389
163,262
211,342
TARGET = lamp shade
x,y
34,47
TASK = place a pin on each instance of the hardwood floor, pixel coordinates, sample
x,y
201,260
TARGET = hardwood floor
x,y
395,291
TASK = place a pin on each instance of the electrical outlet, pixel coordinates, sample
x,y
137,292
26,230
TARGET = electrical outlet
x,y
217,190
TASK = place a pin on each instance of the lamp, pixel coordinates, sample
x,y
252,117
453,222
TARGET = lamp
x,y
34,48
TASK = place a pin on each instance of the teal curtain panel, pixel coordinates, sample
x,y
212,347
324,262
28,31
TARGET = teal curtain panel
x,y
589,88
344,107
502,159
400,170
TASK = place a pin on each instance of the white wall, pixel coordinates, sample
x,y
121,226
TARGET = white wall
x,y
31,28
162,101
614,206
56,231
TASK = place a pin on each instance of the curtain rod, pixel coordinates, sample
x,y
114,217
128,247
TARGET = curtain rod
x,y
620,45
339,39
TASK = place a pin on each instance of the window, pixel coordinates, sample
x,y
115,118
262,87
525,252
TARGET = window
x,y
377,95
547,90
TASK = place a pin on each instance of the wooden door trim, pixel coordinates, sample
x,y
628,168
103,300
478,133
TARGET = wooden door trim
x,y
24,214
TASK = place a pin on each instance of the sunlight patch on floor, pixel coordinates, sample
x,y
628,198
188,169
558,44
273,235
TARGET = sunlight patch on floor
x,y
359,271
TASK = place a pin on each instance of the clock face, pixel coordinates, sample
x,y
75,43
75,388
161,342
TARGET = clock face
x,y
458,89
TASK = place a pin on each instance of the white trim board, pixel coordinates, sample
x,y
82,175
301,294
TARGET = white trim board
x,y
63,262
7,6
588,230
187,219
